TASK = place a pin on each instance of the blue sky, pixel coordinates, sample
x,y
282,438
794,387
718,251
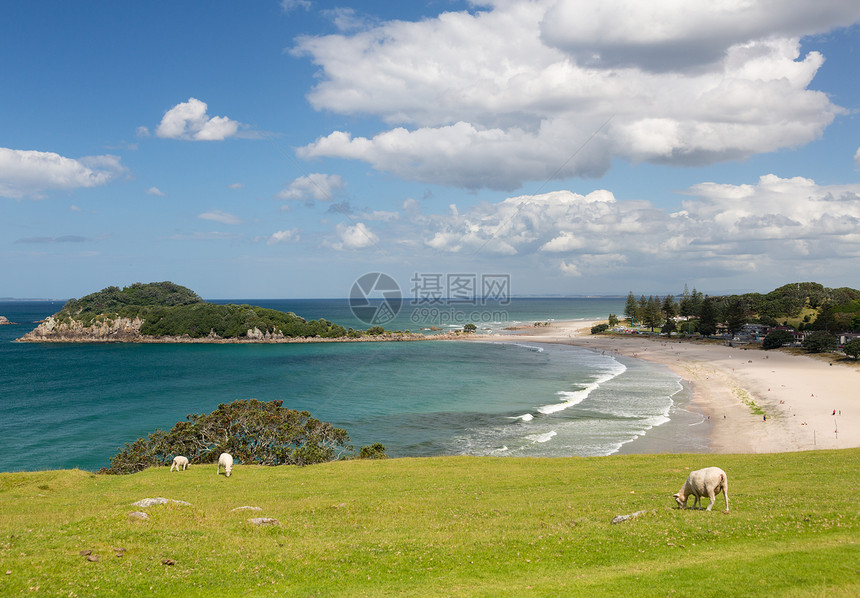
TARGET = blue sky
x,y
281,149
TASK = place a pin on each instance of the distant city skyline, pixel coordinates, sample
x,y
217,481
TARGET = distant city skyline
x,y
283,149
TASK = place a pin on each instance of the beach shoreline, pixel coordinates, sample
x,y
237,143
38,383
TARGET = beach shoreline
x,y
747,400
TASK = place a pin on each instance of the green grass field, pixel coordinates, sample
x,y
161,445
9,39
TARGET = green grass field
x,y
440,527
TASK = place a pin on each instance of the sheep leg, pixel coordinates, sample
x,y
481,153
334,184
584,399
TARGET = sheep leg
x,y
713,498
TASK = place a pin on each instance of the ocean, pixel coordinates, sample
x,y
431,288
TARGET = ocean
x,y
75,405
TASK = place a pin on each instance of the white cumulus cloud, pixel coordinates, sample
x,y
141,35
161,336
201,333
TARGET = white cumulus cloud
x,y
357,236
189,120
774,226
315,186
30,174
284,236
676,34
496,97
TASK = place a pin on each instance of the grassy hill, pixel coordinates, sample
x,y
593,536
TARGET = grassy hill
x,y
807,304
459,526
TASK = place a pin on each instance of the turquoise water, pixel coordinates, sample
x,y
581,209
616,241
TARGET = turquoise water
x,y
74,405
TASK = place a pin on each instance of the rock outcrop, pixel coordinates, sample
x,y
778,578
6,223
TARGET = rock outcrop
x,y
264,521
623,518
103,330
148,502
4,320
258,335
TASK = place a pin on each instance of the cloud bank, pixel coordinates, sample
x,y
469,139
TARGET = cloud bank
x,y
525,91
30,174
762,227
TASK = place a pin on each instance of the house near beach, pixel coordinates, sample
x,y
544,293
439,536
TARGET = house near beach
x,y
845,337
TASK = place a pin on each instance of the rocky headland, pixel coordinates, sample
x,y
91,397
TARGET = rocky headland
x,y
106,330
126,330
164,312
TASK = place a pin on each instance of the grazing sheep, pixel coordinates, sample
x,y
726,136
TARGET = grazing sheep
x,y
704,482
180,463
225,461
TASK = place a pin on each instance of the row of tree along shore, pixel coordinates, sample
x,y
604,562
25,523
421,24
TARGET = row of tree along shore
x,y
804,314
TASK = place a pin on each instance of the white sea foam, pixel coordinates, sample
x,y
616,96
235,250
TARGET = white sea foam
x,y
614,410
529,347
575,397
539,438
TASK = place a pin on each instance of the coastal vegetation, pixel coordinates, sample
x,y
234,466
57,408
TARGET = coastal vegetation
x,y
852,348
166,309
802,307
819,341
776,339
233,321
128,302
252,431
447,526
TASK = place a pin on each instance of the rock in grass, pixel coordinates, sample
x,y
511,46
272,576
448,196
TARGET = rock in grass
x,y
623,518
169,562
138,515
149,502
246,509
264,521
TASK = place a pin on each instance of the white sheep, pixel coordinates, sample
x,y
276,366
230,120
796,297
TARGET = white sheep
x,y
225,461
180,463
704,482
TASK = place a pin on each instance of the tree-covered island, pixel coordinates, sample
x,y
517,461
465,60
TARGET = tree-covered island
x,y
168,312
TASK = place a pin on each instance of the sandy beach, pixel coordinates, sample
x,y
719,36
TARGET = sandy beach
x,y
808,402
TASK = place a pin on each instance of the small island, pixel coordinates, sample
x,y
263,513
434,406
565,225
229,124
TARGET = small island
x,y
4,320
165,312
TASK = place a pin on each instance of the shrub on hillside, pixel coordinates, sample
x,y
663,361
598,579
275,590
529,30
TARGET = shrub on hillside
x,y
127,302
252,431
374,451
233,321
